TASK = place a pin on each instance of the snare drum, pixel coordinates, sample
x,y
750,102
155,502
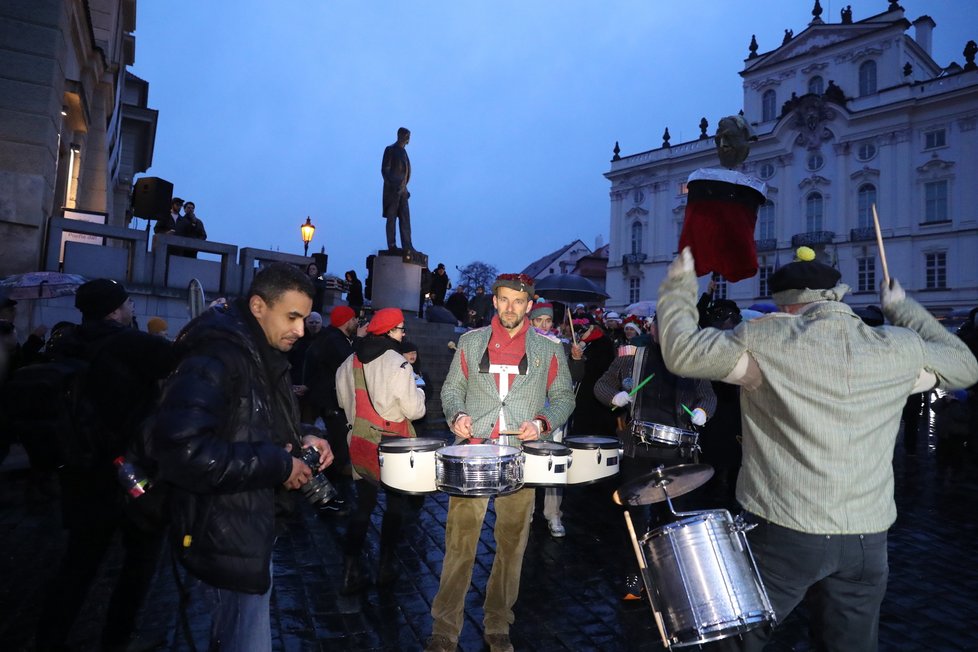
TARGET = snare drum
x,y
593,459
656,434
706,585
408,464
545,464
479,469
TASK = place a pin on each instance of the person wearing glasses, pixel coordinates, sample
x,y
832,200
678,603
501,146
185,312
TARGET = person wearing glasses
x,y
377,391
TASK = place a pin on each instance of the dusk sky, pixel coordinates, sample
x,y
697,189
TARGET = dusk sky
x,y
272,111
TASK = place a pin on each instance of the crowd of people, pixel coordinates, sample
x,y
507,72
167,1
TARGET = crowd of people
x,y
197,445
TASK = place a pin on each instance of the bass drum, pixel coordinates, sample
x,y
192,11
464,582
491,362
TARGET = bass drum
x,y
592,459
705,583
408,464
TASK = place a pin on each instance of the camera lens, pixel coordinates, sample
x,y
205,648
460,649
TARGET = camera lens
x,y
319,490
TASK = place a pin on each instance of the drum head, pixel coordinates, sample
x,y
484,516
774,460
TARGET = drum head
x,y
591,443
477,450
408,444
545,448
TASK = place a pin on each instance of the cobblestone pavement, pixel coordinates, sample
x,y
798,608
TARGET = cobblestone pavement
x,y
570,588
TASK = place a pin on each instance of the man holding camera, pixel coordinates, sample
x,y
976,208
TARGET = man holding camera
x,y
227,438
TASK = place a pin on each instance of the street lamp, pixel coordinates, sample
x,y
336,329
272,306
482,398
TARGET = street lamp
x,y
307,229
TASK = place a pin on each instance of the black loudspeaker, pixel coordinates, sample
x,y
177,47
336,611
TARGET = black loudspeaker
x,y
151,198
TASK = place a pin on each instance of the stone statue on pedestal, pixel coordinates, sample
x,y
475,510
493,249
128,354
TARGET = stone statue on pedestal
x,y
396,170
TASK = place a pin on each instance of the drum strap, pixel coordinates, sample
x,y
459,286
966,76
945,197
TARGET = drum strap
x,y
505,373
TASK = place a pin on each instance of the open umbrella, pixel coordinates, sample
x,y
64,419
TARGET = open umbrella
x,y
569,288
40,285
641,309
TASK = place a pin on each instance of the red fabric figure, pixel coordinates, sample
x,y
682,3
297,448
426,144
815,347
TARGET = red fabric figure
x,y
721,210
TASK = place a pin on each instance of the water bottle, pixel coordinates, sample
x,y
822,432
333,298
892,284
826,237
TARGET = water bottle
x,y
131,477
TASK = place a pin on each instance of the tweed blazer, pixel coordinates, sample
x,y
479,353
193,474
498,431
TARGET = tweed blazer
x,y
820,424
529,397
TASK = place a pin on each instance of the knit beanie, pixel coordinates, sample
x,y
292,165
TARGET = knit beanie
x,y
96,299
341,315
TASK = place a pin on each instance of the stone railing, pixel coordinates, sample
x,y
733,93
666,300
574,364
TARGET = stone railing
x,y
812,238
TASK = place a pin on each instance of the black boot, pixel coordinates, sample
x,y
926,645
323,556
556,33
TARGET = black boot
x,y
352,578
387,574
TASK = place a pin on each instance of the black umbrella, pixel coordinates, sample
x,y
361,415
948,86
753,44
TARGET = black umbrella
x,y
569,288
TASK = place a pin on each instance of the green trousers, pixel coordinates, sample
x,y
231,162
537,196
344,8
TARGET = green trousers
x,y
465,517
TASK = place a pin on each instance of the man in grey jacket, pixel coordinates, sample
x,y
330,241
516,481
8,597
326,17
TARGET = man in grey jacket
x,y
821,402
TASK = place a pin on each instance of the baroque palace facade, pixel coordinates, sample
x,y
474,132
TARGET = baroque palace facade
x,y
846,115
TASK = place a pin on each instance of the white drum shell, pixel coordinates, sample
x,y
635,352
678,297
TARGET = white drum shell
x,y
593,459
409,466
545,464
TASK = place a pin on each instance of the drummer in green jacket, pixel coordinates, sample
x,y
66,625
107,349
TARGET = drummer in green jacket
x,y
504,378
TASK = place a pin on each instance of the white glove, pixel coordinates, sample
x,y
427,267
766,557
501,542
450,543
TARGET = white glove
x,y
893,294
699,416
682,264
621,399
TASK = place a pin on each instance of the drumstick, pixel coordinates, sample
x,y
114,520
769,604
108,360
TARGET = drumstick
x,y
688,411
645,573
879,243
570,322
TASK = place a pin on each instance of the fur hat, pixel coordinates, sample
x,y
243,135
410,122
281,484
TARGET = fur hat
x,y
385,320
341,315
96,299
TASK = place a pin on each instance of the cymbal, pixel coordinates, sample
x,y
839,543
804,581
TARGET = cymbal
x,y
652,488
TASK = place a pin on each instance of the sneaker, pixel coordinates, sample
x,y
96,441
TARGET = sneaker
x,y
335,507
556,528
439,643
633,587
499,643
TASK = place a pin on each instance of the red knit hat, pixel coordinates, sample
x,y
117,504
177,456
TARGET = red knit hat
x,y
385,320
341,315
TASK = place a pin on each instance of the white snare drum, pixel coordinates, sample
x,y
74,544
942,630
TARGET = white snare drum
x,y
594,458
408,465
705,583
656,434
479,469
545,463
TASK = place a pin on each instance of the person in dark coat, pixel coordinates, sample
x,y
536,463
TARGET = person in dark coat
x,y
125,366
189,225
439,285
590,416
319,286
481,303
354,295
458,305
227,438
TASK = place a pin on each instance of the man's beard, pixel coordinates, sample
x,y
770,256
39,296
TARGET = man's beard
x,y
513,323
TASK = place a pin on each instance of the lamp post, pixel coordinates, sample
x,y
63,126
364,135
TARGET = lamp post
x,y
307,230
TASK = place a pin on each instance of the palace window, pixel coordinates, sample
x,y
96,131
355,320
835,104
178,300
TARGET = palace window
x,y
813,212
866,197
935,201
867,78
764,271
934,139
720,288
765,221
634,289
815,162
816,85
766,171
866,272
637,238
769,108
936,268
866,151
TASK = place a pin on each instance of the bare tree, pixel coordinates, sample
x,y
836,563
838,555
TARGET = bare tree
x,y
477,273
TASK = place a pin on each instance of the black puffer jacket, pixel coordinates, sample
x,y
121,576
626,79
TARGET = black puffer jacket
x,y
225,417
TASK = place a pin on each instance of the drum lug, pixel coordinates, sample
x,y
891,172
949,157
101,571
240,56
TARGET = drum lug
x,y
550,463
411,459
380,459
740,525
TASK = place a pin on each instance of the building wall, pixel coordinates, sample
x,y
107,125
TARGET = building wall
x,y
822,146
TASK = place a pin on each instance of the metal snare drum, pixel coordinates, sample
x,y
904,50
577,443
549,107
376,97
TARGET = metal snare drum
x,y
706,585
656,434
545,463
478,469
408,465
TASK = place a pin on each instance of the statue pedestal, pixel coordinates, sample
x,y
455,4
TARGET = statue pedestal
x,y
397,281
